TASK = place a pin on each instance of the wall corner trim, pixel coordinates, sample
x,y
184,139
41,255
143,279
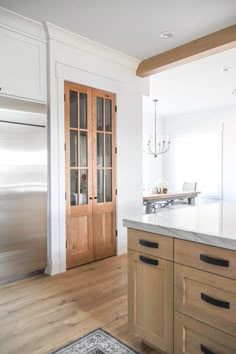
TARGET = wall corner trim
x,y
21,24
61,35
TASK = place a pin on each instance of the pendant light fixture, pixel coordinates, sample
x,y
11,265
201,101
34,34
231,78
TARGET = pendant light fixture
x,y
159,146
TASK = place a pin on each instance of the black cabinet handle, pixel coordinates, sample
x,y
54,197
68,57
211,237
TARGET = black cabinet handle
x,y
148,260
205,350
95,197
150,244
90,198
215,302
215,261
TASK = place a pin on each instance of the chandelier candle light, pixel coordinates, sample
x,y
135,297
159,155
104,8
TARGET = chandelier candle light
x,y
163,145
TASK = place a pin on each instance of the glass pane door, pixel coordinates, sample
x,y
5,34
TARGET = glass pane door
x,y
78,174
90,174
104,137
104,205
78,128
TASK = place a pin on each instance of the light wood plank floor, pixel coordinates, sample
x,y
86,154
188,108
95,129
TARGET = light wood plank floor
x,y
43,313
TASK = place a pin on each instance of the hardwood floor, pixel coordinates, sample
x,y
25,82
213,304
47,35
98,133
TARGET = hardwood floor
x,y
43,313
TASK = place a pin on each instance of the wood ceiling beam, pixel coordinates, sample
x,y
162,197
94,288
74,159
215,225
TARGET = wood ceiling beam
x,y
202,47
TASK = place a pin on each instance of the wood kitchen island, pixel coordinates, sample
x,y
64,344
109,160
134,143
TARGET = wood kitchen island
x,y
182,279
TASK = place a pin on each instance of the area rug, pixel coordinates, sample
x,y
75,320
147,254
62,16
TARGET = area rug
x,y
96,342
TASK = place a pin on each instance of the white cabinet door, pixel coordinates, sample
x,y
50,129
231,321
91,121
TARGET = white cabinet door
x,y
22,66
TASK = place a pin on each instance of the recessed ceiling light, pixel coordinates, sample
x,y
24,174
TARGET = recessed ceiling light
x,y
226,69
234,92
167,35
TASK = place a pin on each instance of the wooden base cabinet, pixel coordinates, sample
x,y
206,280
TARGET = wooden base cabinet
x,y
150,292
194,337
201,316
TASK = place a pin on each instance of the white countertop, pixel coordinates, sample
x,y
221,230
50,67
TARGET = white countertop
x,y
212,224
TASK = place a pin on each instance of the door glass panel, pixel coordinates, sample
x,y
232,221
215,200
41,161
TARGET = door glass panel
x,y
83,149
108,175
108,156
74,187
100,113
108,115
100,186
83,110
100,145
83,197
73,109
73,148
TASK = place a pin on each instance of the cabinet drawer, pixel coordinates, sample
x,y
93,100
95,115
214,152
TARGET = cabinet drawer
x,y
194,337
206,297
153,244
208,258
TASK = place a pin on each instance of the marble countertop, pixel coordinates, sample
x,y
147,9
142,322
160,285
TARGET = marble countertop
x,y
211,224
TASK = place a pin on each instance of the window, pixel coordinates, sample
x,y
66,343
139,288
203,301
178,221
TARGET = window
x,y
198,158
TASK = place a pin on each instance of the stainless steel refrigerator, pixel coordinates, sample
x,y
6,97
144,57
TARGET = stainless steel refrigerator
x,y
23,194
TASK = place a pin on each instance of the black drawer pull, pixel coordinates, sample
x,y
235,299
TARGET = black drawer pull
x,y
215,302
150,244
148,260
205,350
215,261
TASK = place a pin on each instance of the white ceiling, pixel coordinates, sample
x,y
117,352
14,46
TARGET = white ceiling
x,y
132,26
196,86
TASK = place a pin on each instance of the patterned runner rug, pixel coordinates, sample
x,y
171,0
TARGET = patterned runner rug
x,y
96,342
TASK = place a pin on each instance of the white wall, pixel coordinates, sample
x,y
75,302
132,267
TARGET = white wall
x,y
192,122
152,166
74,58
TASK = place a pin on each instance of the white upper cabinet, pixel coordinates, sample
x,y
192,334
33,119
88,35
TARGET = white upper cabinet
x,y
22,65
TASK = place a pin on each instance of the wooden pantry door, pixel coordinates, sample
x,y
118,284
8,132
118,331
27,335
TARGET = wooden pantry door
x,y
90,174
104,204
79,189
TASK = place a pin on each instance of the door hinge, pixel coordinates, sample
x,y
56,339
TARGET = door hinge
x,y
116,233
116,191
116,108
115,150
64,97
65,195
65,146
66,244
